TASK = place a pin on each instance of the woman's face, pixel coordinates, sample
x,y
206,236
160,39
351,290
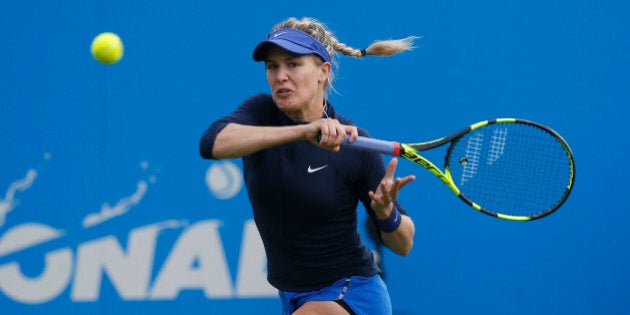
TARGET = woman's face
x,y
297,83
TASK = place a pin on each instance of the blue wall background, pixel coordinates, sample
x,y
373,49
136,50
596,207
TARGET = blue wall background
x,y
80,138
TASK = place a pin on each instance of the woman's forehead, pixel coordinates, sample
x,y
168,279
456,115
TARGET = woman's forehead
x,y
276,53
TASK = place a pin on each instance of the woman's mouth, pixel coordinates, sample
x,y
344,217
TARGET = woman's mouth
x,y
283,92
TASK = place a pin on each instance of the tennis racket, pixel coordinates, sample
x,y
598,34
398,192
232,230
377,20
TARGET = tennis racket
x,y
509,168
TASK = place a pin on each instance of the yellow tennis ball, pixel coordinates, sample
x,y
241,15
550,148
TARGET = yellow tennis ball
x,y
107,48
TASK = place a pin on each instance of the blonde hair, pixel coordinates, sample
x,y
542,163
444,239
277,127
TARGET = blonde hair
x,y
320,32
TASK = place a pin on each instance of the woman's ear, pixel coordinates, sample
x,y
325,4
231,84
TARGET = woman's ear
x,y
324,69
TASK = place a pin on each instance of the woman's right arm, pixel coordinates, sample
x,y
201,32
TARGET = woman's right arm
x,y
236,140
239,140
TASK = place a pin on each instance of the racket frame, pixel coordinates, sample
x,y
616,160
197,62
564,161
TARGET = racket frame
x,y
412,151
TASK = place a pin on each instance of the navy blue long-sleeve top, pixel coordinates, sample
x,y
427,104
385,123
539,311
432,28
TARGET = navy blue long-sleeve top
x,y
305,200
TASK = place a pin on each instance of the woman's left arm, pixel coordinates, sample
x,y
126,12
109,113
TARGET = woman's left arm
x,y
400,241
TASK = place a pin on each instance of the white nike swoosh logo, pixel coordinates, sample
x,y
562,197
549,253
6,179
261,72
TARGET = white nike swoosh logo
x,y
279,34
313,170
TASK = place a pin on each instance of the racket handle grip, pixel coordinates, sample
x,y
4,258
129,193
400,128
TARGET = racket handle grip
x,y
373,145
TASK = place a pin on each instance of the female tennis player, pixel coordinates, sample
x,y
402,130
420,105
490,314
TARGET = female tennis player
x,y
303,188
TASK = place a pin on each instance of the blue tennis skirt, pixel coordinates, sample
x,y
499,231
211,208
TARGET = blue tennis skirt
x,y
363,295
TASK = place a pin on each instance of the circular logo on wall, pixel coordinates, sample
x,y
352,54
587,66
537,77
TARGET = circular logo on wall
x,y
224,179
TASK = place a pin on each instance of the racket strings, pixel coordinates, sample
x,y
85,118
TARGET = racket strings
x,y
513,169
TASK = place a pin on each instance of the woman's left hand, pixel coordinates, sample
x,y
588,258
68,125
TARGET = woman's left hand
x,y
387,191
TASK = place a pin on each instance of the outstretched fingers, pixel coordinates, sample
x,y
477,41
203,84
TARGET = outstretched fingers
x,y
388,188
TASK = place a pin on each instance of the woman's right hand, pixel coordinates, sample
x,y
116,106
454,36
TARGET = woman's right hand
x,y
329,134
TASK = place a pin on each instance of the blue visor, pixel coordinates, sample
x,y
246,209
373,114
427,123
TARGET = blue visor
x,y
292,40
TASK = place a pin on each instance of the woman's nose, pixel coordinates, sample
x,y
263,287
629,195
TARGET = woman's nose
x,y
281,74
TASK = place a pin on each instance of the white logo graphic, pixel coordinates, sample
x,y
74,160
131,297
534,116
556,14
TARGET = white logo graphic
x,y
9,202
279,34
25,236
224,179
313,170
123,205
195,261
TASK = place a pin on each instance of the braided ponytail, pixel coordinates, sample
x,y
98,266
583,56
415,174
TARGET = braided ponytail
x,y
332,44
319,31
